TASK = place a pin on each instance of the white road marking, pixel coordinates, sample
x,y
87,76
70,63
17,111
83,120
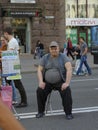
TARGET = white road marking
x,y
61,112
57,112
96,88
80,80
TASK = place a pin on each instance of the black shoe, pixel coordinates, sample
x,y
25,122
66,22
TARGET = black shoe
x,y
69,117
39,115
21,105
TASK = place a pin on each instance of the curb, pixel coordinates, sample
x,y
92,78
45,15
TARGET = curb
x,y
34,71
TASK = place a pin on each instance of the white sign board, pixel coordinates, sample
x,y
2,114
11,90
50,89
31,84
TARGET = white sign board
x,y
49,17
23,1
11,64
81,21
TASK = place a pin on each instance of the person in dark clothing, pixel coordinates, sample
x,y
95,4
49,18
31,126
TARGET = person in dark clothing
x,y
54,72
22,92
36,52
13,45
77,53
39,49
70,48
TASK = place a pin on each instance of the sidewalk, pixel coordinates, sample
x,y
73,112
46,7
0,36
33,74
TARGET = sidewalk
x,y
28,63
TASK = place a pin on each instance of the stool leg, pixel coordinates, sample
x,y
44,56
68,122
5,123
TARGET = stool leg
x,y
16,114
48,104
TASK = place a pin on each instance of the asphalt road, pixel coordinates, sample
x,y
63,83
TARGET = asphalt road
x,y
85,105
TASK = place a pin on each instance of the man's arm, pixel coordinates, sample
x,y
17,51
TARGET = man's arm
x,y
17,50
40,77
7,120
68,67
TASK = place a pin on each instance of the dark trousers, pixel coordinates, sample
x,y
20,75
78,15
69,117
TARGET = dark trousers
x,y
20,87
69,52
65,95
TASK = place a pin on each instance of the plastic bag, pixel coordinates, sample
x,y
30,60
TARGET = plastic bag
x,y
6,95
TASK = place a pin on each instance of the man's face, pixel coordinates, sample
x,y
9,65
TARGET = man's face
x,y
80,40
6,35
54,51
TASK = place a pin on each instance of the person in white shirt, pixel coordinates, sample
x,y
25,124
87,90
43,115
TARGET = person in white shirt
x,y
13,45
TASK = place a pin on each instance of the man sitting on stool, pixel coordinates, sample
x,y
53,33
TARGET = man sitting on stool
x,y
54,72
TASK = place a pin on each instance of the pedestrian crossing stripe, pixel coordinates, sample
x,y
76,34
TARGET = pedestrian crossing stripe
x,y
57,112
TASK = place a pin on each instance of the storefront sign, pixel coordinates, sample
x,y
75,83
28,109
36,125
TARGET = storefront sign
x,y
23,1
11,64
22,13
81,21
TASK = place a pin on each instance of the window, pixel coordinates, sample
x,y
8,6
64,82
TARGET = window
x,y
82,8
71,8
92,8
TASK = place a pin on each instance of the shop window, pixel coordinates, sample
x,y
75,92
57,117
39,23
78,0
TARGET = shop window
x,y
89,37
71,8
92,8
82,8
19,21
91,11
72,33
96,10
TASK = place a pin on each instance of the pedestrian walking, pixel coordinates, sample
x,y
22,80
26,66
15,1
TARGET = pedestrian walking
x,y
4,48
13,45
78,59
70,48
39,50
84,49
54,73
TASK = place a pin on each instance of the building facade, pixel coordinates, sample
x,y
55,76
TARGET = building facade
x,y
34,20
82,20
49,20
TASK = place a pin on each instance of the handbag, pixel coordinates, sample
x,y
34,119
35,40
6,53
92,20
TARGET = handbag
x,y
6,95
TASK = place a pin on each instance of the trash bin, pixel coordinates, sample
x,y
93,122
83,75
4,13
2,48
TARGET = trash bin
x,y
95,58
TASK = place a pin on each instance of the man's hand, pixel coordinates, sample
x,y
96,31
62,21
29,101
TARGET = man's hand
x,y
42,85
64,86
